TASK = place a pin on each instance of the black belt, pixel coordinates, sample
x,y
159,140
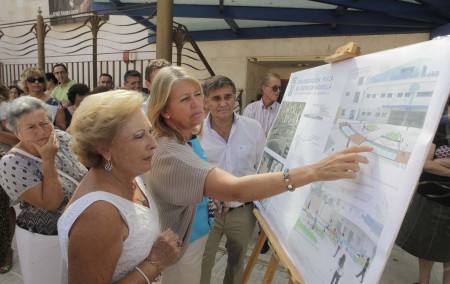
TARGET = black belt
x,y
232,208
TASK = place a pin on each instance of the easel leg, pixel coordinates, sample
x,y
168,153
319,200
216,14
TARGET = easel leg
x,y
271,269
278,254
253,258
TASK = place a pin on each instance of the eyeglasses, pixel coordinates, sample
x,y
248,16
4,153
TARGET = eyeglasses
x,y
274,88
34,79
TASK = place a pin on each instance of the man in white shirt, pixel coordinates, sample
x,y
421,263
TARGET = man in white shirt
x,y
233,143
266,109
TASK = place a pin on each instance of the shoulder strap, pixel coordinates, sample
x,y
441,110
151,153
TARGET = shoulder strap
x,y
26,154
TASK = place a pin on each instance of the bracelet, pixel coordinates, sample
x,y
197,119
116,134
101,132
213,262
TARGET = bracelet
x,y
290,187
143,274
152,262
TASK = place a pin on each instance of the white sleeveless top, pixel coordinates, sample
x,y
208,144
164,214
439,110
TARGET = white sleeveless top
x,y
143,227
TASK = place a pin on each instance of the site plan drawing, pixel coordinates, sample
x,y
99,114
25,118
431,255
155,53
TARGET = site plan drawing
x,y
390,100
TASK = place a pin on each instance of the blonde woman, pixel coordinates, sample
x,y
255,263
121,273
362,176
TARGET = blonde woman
x,y
179,179
110,231
33,82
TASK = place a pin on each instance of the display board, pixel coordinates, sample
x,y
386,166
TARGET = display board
x,y
392,101
68,11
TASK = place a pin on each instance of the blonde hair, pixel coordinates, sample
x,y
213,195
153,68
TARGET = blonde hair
x,y
30,72
161,92
97,120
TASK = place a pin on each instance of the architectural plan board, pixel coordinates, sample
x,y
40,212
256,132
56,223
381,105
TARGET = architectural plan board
x,y
392,101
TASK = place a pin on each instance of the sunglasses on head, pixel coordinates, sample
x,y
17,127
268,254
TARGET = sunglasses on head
x,y
275,88
34,79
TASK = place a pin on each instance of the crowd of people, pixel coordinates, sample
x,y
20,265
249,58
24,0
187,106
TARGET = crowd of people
x,y
118,186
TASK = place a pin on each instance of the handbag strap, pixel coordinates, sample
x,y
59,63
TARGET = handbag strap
x,y
26,154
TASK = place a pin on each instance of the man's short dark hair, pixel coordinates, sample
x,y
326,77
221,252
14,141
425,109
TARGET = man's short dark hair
x,y
51,77
217,82
131,73
59,65
77,90
106,75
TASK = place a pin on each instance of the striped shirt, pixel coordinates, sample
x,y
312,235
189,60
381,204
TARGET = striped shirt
x,y
265,116
177,180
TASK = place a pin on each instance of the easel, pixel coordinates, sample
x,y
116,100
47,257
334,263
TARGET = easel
x,y
347,51
278,255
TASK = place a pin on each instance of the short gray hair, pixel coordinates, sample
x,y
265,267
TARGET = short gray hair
x,y
264,79
24,105
217,82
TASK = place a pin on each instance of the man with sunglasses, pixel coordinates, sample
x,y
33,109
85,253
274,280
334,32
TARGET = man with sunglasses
x,y
60,92
266,109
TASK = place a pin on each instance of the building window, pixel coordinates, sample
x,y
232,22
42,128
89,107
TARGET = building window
x,y
383,95
374,96
377,114
343,112
368,96
356,98
408,70
407,94
360,81
369,113
347,94
424,94
363,113
399,95
389,95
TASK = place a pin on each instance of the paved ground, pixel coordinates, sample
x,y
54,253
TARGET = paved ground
x,y
401,268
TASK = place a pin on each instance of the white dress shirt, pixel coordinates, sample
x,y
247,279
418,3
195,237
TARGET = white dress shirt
x,y
265,116
145,105
239,156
